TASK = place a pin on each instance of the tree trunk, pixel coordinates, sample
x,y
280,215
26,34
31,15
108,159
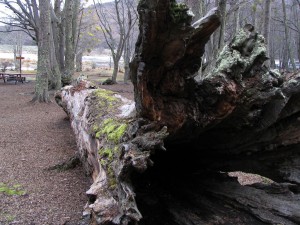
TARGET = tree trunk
x,y
196,8
79,62
236,16
266,29
222,7
287,39
126,60
285,58
115,70
41,87
253,13
69,42
168,163
299,48
58,34
231,113
55,73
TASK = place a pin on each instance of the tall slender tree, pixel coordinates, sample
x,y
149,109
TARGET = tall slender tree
x,y
266,28
62,51
71,11
236,16
123,28
287,36
41,88
222,6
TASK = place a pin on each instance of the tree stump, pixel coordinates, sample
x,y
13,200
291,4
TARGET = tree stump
x,y
167,162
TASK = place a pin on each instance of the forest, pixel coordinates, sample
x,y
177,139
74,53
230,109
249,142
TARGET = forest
x,y
95,26
214,100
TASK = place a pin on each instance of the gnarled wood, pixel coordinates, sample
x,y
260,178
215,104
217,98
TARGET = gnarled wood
x,y
111,146
238,116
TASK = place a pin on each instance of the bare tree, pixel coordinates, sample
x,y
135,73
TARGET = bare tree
x,y
58,24
236,15
41,88
25,14
132,37
116,39
18,45
63,33
266,29
291,58
26,18
71,11
222,7
197,8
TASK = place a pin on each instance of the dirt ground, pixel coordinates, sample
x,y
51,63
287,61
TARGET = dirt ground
x,y
34,137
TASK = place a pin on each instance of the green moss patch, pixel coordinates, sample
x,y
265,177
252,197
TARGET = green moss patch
x,y
11,190
178,12
108,128
105,97
107,156
233,61
112,129
6,217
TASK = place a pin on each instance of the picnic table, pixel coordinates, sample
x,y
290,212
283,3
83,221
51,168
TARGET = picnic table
x,y
17,77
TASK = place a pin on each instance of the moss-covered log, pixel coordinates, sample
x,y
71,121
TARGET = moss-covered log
x,y
111,144
168,163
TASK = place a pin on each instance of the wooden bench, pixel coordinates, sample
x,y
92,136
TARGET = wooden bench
x,y
16,77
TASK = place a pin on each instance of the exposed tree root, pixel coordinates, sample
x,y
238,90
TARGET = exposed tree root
x,y
69,164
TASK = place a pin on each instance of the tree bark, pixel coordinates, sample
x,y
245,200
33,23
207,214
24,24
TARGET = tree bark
x,y
222,7
126,60
231,112
111,148
79,62
298,48
115,70
59,38
41,88
266,30
253,14
168,163
236,16
287,39
54,71
69,41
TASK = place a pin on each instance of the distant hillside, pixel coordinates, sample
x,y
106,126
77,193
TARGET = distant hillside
x,y
28,49
91,38
9,38
91,25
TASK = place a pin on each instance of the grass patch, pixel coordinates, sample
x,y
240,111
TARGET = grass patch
x,y
6,217
11,190
113,130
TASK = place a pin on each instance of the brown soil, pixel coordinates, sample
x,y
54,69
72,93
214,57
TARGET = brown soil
x,y
34,137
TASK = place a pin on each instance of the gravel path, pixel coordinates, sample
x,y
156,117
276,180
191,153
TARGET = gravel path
x,y
34,137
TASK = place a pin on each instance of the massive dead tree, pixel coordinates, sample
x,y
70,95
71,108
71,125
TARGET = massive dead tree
x,y
167,163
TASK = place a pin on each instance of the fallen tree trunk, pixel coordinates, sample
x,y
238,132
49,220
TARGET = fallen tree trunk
x,y
111,144
240,116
